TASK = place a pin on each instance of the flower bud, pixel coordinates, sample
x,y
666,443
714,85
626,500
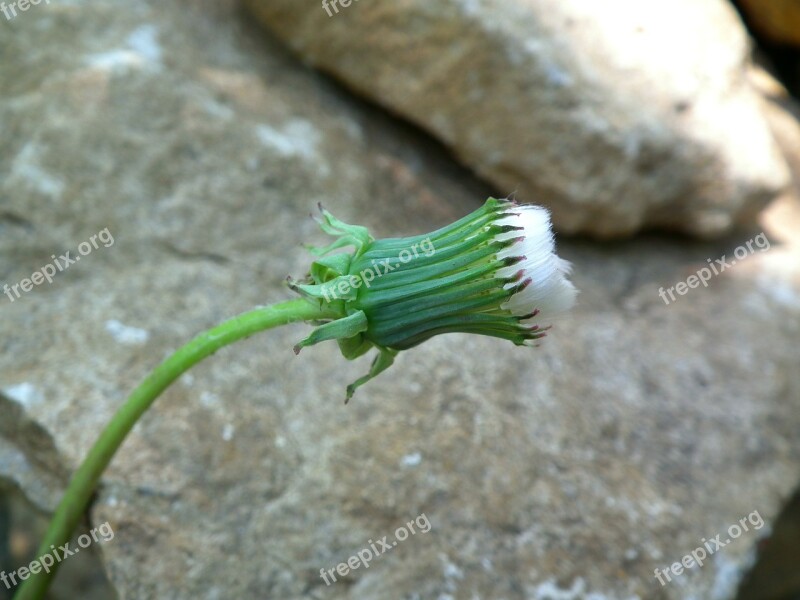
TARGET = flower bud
x,y
493,272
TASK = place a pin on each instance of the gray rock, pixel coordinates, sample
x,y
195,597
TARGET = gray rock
x,y
618,115
637,428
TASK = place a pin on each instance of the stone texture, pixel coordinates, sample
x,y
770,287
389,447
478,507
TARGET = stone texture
x,y
618,115
570,471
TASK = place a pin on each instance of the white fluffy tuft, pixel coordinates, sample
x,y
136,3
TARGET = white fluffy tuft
x,y
549,291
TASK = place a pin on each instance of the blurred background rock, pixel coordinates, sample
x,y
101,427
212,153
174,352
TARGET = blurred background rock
x,y
567,473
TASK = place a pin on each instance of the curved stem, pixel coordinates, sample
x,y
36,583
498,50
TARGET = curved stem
x,y
82,486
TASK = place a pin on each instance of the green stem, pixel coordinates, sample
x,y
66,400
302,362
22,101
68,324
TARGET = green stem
x,y
82,486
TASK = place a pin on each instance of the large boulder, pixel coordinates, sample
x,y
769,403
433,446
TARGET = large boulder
x,y
571,471
619,115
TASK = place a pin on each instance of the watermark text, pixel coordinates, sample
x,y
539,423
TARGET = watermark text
x,y
10,9
366,555
714,268
342,286
698,556
335,4
103,533
59,264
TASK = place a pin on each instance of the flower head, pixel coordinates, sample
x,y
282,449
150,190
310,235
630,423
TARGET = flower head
x,y
493,272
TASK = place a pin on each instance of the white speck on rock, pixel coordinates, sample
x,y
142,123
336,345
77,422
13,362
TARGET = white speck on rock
x,y
471,8
24,394
549,590
209,399
451,571
144,41
27,168
228,431
141,50
534,46
115,60
411,460
218,110
130,336
415,387
726,579
556,76
780,290
298,137
354,130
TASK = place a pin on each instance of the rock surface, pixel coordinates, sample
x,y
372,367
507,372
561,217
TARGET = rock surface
x,y
618,115
567,472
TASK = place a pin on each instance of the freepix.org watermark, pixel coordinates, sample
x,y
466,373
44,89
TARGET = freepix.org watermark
x,y
334,4
697,556
332,291
103,533
718,266
10,9
366,555
62,263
